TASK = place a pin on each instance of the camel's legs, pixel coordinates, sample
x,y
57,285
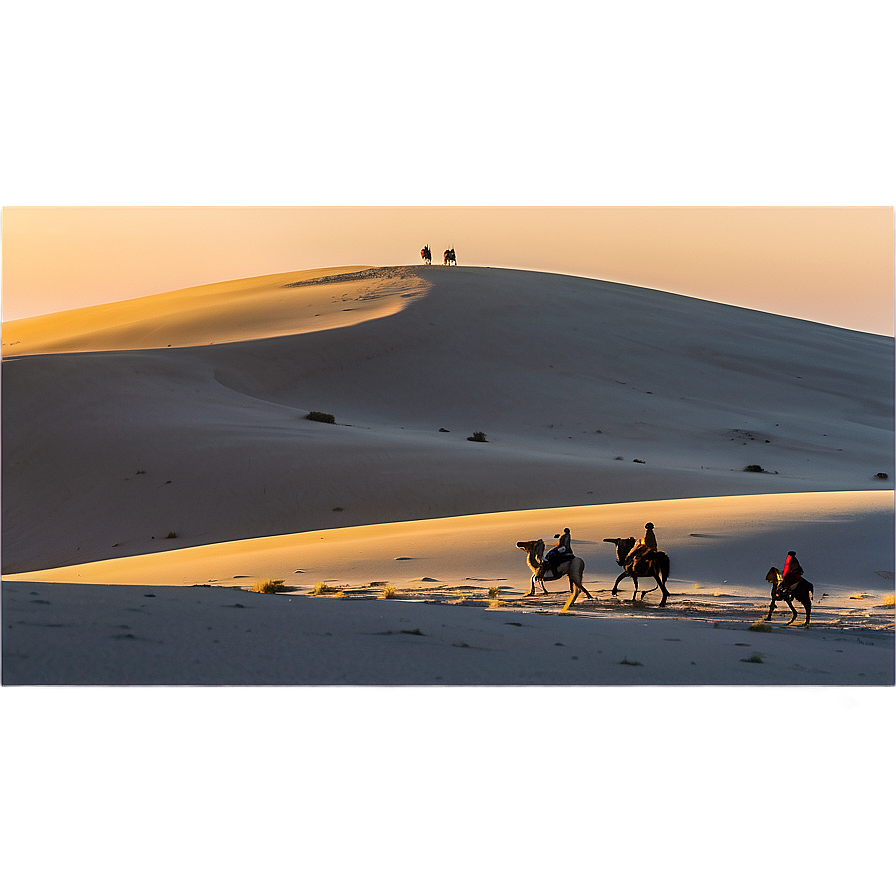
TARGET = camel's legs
x,y
622,575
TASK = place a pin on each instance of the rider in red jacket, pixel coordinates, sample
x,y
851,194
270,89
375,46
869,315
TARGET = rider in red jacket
x,y
792,573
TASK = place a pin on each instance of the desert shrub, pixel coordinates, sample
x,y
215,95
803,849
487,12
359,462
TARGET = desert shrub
x,y
760,627
388,591
477,437
269,586
493,591
320,417
625,661
881,476
753,468
753,658
322,588
171,535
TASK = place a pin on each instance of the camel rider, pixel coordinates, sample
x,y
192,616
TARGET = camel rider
x,y
643,545
791,574
561,551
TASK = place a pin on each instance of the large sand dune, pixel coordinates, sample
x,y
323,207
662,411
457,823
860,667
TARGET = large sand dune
x,y
588,392
164,442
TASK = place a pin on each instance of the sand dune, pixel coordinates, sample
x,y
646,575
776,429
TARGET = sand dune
x,y
588,393
164,442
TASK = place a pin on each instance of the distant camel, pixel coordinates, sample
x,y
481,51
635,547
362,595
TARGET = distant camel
x,y
426,255
574,568
651,563
449,257
803,592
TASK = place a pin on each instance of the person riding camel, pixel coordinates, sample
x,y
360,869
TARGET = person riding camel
x,y
643,545
791,574
560,552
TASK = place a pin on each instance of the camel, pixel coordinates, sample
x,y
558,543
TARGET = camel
x,y
426,255
650,563
803,592
574,568
449,257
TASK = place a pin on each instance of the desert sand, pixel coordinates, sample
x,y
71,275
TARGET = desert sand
x,y
163,442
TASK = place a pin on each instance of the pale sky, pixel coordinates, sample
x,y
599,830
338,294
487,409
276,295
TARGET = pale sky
x,y
296,116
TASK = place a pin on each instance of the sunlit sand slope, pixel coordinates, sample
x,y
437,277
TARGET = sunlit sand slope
x,y
726,544
254,308
587,393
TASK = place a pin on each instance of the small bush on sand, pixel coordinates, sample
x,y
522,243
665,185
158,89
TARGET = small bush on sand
x,y
881,476
493,591
753,468
322,588
760,627
477,437
320,417
269,586
388,591
753,658
625,661
171,535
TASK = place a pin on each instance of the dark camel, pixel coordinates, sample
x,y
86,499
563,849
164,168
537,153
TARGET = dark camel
x,y
650,563
574,568
803,592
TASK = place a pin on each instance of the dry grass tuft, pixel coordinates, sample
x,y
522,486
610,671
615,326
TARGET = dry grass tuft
x,y
269,586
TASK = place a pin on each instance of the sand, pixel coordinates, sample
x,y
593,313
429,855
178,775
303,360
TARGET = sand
x,y
131,467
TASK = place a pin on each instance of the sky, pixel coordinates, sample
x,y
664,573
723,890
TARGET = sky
x,y
660,123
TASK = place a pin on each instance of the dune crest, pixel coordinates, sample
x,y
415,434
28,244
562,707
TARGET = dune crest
x,y
231,311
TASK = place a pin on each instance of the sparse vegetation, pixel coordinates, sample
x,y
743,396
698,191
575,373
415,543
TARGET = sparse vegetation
x,y
625,661
171,535
269,586
477,437
495,604
752,658
754,468
890,601
320,417
323,588
881,476
493,591
760,627
388,591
